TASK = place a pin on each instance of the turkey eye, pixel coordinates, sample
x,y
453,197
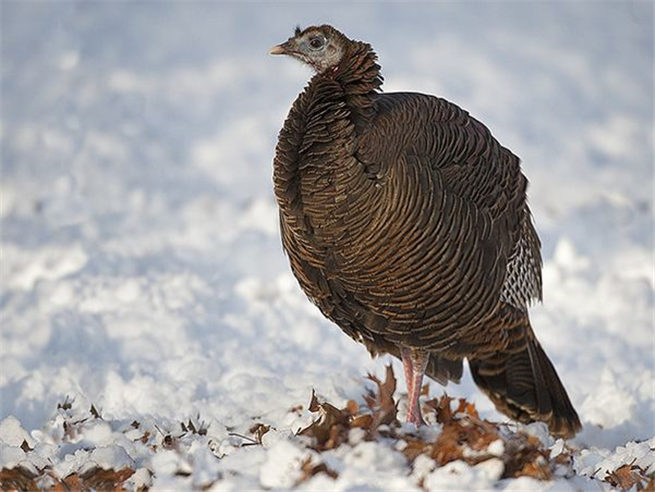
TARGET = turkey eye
x,y
316,43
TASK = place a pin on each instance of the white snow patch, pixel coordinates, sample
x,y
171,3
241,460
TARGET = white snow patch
x,y
26,267
108,458
458,475
282,467
13,434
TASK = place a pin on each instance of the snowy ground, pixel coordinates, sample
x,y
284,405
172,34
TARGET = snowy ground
x,y
142,271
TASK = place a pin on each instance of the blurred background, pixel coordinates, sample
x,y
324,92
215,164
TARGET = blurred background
x,y
141,263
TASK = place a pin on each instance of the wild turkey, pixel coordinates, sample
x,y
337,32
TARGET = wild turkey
x,y
406,223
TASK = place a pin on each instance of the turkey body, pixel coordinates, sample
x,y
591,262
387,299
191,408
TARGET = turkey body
x,y
407,224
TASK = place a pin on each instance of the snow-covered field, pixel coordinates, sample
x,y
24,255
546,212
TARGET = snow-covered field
x,y
142,272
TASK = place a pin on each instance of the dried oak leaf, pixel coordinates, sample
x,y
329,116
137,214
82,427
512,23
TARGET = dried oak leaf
x,y
449,444
17,478
71,482
650,483
351,407
258,430
442,408
101,479
364,421
628,476
414,448
464,431
382,404
467,408
331,428
145,437
538,469
425,389
525,456
309,470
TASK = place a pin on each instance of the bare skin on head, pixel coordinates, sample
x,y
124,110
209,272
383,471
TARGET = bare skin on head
x,y
320,47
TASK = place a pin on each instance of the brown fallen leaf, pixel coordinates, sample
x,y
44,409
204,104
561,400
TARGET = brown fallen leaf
x,y
425,389
525,455
351,407
457,437
71,482
464,430
258,430
17,478
309,470
650,484
362,421
330,429
464,435
628,476
538,469
100,479
414,448
442,408
382,404
467,408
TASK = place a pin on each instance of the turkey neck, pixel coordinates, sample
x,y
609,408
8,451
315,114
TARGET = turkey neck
x,y
317,179
359,76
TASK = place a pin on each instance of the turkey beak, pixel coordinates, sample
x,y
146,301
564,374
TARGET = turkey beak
x,y
280,49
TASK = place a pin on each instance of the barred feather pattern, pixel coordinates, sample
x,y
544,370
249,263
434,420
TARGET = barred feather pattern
x,y
523,279
407,224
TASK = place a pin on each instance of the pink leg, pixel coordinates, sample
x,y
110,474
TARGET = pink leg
x,y
405,354
414,362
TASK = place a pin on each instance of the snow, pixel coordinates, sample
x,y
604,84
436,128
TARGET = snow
x,y
282,466
13,434
459,475
600,461
142,272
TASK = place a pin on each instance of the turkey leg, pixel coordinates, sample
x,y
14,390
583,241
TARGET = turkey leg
x,y
414,362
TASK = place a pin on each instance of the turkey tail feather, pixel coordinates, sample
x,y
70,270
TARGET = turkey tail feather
x,y
443,370
525,386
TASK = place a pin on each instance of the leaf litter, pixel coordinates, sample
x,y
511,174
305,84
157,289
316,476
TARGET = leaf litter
x,y
462,437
